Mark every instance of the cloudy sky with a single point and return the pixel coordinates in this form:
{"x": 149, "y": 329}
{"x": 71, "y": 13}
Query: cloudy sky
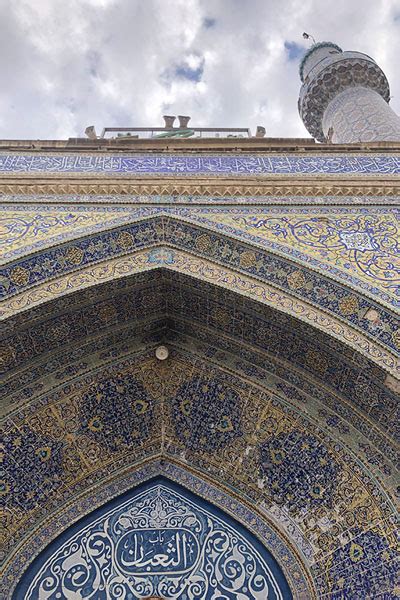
{"x": 66, "y": 64}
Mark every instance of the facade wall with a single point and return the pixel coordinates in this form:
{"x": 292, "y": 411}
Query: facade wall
{"x": 272, "y": 277}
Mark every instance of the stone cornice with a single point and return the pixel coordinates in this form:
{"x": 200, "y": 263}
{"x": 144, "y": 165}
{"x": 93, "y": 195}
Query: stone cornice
{"x": 200, "y": 186}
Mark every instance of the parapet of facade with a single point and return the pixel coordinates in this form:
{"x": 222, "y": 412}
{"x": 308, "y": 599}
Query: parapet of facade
{"x": 344, "y": 97}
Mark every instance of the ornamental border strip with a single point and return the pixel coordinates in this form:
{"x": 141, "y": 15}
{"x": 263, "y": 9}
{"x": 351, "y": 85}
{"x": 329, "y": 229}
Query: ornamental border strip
{"x": 201, "y": 216}
{"x": 148, "y": 260}
{"x": 332, "y": 188}
{"x": 113, "y": 202}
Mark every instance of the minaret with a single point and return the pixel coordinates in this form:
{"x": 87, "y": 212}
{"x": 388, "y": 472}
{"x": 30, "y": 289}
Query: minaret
{"x": 344, "y": 97}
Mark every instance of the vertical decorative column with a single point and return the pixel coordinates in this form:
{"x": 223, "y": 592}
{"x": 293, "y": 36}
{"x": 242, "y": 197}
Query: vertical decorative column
{"x": 344, "y": 97}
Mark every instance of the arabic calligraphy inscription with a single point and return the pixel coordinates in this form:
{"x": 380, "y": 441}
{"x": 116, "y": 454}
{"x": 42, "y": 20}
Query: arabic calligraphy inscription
{"x": 158, "y": 543}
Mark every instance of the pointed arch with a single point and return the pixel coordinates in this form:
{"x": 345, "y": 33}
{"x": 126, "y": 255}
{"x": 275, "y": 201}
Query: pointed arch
{"x": 160, "y": 539}
{"x": 209, "y": 412}
{"x": 321, "y": 398}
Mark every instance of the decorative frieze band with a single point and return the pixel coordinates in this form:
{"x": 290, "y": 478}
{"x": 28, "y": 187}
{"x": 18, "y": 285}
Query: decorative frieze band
{"x": 200, "y": 188}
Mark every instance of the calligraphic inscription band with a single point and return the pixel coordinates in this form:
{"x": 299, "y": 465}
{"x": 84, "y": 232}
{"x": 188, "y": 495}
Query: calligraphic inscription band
{"x": 222, "y": 164}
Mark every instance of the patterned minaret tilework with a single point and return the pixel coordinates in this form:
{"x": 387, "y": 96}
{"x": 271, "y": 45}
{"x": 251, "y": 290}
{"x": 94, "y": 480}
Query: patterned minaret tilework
{"x": 344, "y": 97}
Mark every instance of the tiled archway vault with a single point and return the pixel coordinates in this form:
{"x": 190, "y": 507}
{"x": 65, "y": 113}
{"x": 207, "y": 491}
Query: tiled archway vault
{"x": 249, "y": 398}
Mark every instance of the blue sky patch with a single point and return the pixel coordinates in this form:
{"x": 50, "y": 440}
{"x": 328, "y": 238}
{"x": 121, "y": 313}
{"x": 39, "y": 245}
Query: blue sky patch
{"x": 187, "y": 73}
{"x": 209, "y": 23}
{"x": 294, "y": 51}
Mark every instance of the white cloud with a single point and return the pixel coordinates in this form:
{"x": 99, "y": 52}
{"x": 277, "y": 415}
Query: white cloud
{"x": 66, "y": 65}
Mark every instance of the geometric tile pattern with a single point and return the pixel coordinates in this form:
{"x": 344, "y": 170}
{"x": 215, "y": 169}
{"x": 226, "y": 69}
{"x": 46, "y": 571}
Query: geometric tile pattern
{"x": 344, "y": 97}
{"x": 359, "y": 114}
{"x": 27, "y": 452}
{"x": 206, "y": 414}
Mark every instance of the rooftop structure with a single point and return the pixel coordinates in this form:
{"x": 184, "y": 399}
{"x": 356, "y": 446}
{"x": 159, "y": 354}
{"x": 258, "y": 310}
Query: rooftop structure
{"x": 169, "y": 131}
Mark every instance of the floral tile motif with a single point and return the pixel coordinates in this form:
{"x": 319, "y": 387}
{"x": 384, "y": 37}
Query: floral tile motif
{"x": 359, "y": 248}
{"x": 122, "y": 405}
{"x": 206, "y": 414}
{"x": 366, "y": 565}
{"x": 298, "y": 470}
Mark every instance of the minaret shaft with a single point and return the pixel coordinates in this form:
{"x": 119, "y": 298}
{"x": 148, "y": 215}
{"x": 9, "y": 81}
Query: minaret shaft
{"x": 360, "y": 114}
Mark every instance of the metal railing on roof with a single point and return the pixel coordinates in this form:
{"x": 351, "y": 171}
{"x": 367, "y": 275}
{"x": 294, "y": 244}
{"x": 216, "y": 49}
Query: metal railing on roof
{"x": 174, "y": 132}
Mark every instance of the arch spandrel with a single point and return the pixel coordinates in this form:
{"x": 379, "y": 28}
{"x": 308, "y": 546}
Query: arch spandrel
{"x": 355, "y": 245}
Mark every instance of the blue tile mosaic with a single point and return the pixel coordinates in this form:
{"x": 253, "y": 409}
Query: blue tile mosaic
{"x": 171, "y": 303}
{"x": 206, "y": 414}
{"x": 287, "y": 460}
{"x": 174, "y": 164}
{"x": 303, "y": 469}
